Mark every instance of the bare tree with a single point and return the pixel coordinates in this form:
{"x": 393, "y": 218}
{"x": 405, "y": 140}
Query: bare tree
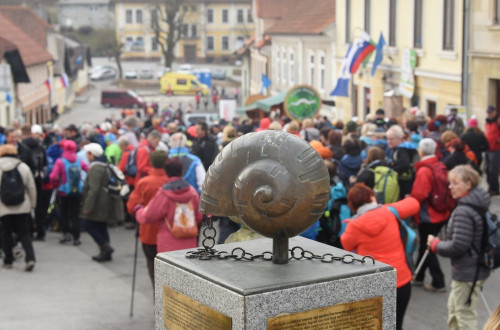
{"x": 117, "y": 49}
{"x": 166, "y": 23}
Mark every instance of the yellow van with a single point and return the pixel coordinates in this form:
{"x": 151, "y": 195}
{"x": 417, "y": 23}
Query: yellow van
{"x": 182, "y": 83}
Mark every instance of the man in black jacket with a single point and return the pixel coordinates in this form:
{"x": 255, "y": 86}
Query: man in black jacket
{"x": 25, "y": 154}
{"x": 205, "y": 146}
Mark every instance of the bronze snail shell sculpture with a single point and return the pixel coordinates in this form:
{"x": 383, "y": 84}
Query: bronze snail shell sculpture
{"x": 273, "y": 181}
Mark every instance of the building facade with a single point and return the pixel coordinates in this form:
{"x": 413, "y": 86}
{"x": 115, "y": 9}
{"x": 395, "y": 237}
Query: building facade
{"x": 98, "y": 14}
{"x": 433, "y": 29}
{"x": 483, "y": 85}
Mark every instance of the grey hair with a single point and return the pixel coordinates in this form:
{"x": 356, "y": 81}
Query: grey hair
{"x": 155, "y": 134}
{"x": 177, "y": 140}
{"x": 427, "y": 146}
{"x": 131, "y": 121}
{"x": 397, "y": 131}
{"x": 123, "y": 141}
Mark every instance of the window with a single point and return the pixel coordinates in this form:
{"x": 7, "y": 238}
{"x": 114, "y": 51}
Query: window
{"x": 225, "y": 43}
{"x": 367, "y": 15}
{"x": 322, "y": 72}
{"x": 497, "y": 11}
{"x": 193, "y": 8}
{"x": 194, "y": 31}
{"x": 417, "y": 24}
{"x": 181, "y": 81}
{"x": 249, "y": 16}
{"x": 138, "y": 16}
{"x": 154, "y": 15}
{"x": 448, "y": 24}
{"x": 210, "y": 43}
{"x": 210, "y": 15}
{"x": 278, "y": 65}
{"x": 185, "y": 9}
{"x": 154, "y": 44}
{"x": 240, "y": 16}
{"x": 283, "y": 67}
{"x": 311, "y": 70}
{"x": 292, "y": 69}
{"x": 392, "y": 23}
{"x": 224, "y": 16}
{"x": 347, "y": 21}
{"x": 128, "y": 17}
{"x": 184, "y": 30}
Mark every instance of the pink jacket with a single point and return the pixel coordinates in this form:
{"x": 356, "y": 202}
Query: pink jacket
{"x": 162, "y": 207}
{"x": 58, "y": 175}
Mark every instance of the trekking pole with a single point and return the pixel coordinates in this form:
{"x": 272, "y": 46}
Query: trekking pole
{"x": 134, "y": 271}
{"x": 483, "y": 298}
{"x": 422, "y": 261}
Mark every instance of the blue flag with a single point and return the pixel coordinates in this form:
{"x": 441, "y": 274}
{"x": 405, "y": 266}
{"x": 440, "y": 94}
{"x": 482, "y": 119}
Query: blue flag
{"x": 342, "y": 88}
{"x": 265, "y": 83}
{"x": 379, "y": 55}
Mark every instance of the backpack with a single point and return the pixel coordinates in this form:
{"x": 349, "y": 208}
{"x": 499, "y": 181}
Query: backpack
{"x": 116, "y": 186}
{"x": 408, "y": 237}
{"x": 12, "y": 187}
{"x": 38, "y": 157}
{"x": 74, "y": 184}
{"x": 386, "y": 186}
{"x": 184, "y": 224}
{"x": 489, "y": 255}
{"x": 331, "y": 222}
{"x": 440, "y": 196}
{"x": 131, "y": 166}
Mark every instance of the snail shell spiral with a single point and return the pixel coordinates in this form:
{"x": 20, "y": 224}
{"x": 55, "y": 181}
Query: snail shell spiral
{"x": 273, "y": 181}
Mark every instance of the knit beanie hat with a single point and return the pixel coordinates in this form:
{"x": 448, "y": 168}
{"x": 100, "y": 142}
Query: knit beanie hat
{"x": 351, "y": 126}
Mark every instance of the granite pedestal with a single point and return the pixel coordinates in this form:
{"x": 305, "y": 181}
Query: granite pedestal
{"x": 250, "y": 293}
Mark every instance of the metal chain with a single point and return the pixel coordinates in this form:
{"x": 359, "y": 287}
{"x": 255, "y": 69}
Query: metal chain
{"x": 297, "y": 253}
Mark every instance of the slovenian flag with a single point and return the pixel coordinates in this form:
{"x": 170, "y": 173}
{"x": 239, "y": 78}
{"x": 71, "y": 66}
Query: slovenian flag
{"x": 64, "y": 80}
{"x": 48, "y": 84}
{"x": 365, "y": 46}
{"x": 379, "y": 55}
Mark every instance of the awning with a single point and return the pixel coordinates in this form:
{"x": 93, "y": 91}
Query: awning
{"x": 264, "y": 104}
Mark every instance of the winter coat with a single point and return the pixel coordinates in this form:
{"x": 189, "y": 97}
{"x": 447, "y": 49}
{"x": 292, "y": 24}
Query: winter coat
{"x": 58, "y": 175}
{"x": 338, "y": 152}
{"x": 463, "y": 232}
{"x": 349, "y": 166}
{"x": 26, "y": 156}
{"x": 145, "y": 190}
{"x": 493, "y": 133}
{"x": 459, "y": 158}
{"x": 422, "y": 187}
{"x": 206, "y": 149}
{"x": 142, "y": 160}
{"x": 132, "y": 138}
{"x": 123, "y": 164}
{"x": 192, "y": 167}
{"x": 8, "y": 163}
{"x": 39, "y": 158}
{"x": 97, "y": 204}
{"x": 375, "y": 224}
{"x": 113, "y": 153}
{"x": 53, "y": 152}
{"x": 477, "y": 143}
{"x": 162, "y": 208}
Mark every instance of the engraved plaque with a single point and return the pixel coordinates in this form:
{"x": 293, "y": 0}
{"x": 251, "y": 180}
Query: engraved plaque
{"x": 363, "y": 314}
{"x": 182, "y": 312}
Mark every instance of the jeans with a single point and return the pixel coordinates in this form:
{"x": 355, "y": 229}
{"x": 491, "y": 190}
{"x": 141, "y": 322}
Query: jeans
{"x": 492, "y": 165}
{"x": 19, "y": 224}
{"x": 97, "y": 230}
{"x": 402, "y": 299}
{"x": 426, "y": 229}
{"x": 70, "y": 220}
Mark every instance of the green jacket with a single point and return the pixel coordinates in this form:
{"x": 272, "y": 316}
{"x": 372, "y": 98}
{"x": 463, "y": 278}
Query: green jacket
{"x": 113, "y": 150}
{"x": 97, "y": 204}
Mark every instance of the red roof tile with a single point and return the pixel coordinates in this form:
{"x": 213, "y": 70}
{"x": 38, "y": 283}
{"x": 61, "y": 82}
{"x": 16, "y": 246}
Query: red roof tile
{"x": 31, "y": 52}
{"x": 28, "y": 21}
{"x": 6, "y": 46}
{"x": 306, "y": 17}
{"x": 274, "y": 8}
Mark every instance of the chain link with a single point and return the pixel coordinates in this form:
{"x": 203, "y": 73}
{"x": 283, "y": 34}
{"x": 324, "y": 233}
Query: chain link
{"x": 297, "y": 253}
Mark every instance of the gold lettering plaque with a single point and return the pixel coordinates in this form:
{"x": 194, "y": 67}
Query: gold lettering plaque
{"x": 357, "y": 315}
{"x": 183, "y": 312}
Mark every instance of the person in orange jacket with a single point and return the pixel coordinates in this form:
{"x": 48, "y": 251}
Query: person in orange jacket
{"x": 145, "y": 190}
{"x": 374, "y": 230}
{"x": 145, "y": 148}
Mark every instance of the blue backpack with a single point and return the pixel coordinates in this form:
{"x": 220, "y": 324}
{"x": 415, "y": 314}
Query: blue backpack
{"x": 74, "y": 184}
{"x": 131, "y": 166}
{"x": 408, "y": 237}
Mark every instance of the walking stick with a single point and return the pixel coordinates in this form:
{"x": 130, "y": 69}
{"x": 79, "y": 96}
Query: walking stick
{"x": 421, "y": 263}
{"x": 134, "y": 271}
{"x": 483, "y": 298}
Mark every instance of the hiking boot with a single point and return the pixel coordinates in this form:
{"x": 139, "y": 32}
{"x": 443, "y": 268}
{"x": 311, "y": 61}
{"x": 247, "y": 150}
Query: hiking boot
{"x": 7, "y": 266}
{"x": 66, "y": 238}
{"x": 431, "y": 288}
{"x": 29, "y": 266}
{"x": 76, "y": 242}
{"x": 105, "y": 255}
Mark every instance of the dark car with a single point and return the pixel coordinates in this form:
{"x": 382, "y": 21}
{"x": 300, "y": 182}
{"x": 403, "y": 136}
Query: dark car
{"x": 122, "y": 98}
{"x": 219, "y": 74}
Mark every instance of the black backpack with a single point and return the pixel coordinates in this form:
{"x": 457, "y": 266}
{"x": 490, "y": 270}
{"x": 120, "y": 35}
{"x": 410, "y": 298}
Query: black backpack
{"x": 116, "y": 185}
{"x": 12, "y": 188}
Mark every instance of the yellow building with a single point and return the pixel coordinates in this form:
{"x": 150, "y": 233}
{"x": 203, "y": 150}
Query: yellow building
{"x": 484, "y": 58}
{"x": 211, "y": 30}
{"x": 432, "y": 28}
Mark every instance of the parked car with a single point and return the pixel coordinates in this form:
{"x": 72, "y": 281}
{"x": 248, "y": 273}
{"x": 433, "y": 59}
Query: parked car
{"x": 219, "y": 74}
{"x": 103, "y": 74}
{"x": 182, "y": 83}
{"x": 193, "y": 118}
{"x": 146, "y": 74}
{"x": 122, "y": 98}
{"x": 100, "y": 68}
{"x": 132, "y": 74}
{"x": 161, "y": 72}
{"x": 185, "y": 68}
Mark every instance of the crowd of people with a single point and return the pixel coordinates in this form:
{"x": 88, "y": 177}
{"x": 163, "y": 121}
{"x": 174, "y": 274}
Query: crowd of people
{"x": 381, "y": 170}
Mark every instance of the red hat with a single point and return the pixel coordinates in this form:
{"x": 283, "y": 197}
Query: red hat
{"x": 472, "y": 122}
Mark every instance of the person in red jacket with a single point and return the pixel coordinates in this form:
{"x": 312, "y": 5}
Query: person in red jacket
{"x": 145, "y": 190}
{"x": 374, "y": 230}
{"x": 127, "y": 148}
{"x": 145, "y": 148}
{"x": 429, "y": 220}
{"x": 493, "y": 154}
{"x": 162, "y": 208}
